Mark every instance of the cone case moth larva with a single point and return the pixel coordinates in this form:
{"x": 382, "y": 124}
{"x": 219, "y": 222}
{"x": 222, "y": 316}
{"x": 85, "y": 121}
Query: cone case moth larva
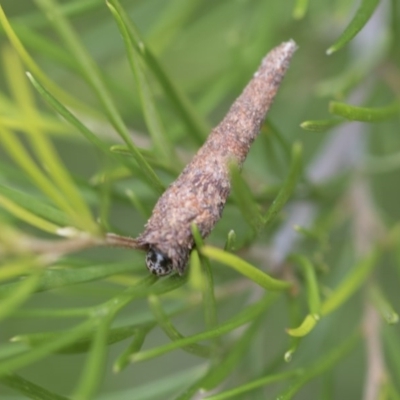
{"x": 199, "y": 194}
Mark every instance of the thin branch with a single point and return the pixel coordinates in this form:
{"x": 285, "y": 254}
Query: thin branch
{"x": 51, "y": 250}
{"x": 375, "y": 375}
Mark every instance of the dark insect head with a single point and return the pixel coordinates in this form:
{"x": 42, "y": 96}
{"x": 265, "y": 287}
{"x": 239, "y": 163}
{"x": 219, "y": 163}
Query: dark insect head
{"x": 158, "y": 263}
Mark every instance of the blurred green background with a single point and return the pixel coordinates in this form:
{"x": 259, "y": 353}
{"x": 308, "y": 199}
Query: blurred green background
{"x": 348, "y": 193}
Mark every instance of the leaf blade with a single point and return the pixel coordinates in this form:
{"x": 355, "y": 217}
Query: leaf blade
{"x": 361, "y": 17}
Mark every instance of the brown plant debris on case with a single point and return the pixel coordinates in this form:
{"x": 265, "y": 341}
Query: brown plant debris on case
{"x": 199, "y": 194}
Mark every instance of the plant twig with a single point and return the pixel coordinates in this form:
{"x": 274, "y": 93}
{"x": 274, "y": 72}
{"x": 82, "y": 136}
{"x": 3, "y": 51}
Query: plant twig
{"x": 375, "y": 375}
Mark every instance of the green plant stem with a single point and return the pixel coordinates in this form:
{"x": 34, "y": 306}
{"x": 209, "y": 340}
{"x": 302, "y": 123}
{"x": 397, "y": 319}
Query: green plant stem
{"x": 28, "y": 388}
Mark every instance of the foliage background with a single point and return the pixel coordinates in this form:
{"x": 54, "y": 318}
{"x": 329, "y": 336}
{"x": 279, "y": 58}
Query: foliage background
{"x": 345, "y": 202}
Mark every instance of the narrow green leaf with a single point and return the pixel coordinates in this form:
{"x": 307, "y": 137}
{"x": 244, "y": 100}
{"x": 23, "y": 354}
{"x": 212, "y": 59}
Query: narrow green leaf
{"x": 93, "y": 77}
{"x": 20, "y": 294}
{"x": 166, "y": 325}
{"x": 10, "y": 350}
{"x": 82, "y": 345}
{"x": 9, "y": 365}
{"x": 92, "y": 374}
{"x": 363, "y": 14}
{"x": 87, "y": 133}
{"x": 288, "y": 186}
{"x": 27, "y": 216}
{"x": 62, "y": 277}
{"x": 67, "y": 115}
{"x": 14, "y": 269}
{"x": 351, "y": 283}
{"x": 124, "y": 359}
{"x": 36, "y": 19}
{"x": 308, "y": 271}
{"x": 364, "y": 114}
{"x": 195, "y": 273}
{"x": 121, "y": 149}
{"x": 241, "y": 318}
{"x": 230, "y": 244}
{"x": 43, "y": 148}
{"x": 207, "y": 285}
{"x": 17, "y": 151}
{"x": 313, "y": 298}
{"x": 300, "y": 9}
{"x": 40, "y": 43}
{"x": 320, "y": 125}
{"x": 384, "y": 307}
{"x": 48, "y": 124}
{"x": 35, "y": 206}
{"x": 194, "y": 125}
{"x": 294, "y": 345}
{"x": 198, "y": 240}
{"x": 147, "y": 286}
{"x": 161, "y": 142}
{"x": 32, "y": 66}
{"x": 305, "y": 327}
{"x": 53, "y": 313}
{"x": 29, "y": 389}
{"x": 149, "y": 157}
{"x": 248, "y": 387}
{"x": 245, "y": 269}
